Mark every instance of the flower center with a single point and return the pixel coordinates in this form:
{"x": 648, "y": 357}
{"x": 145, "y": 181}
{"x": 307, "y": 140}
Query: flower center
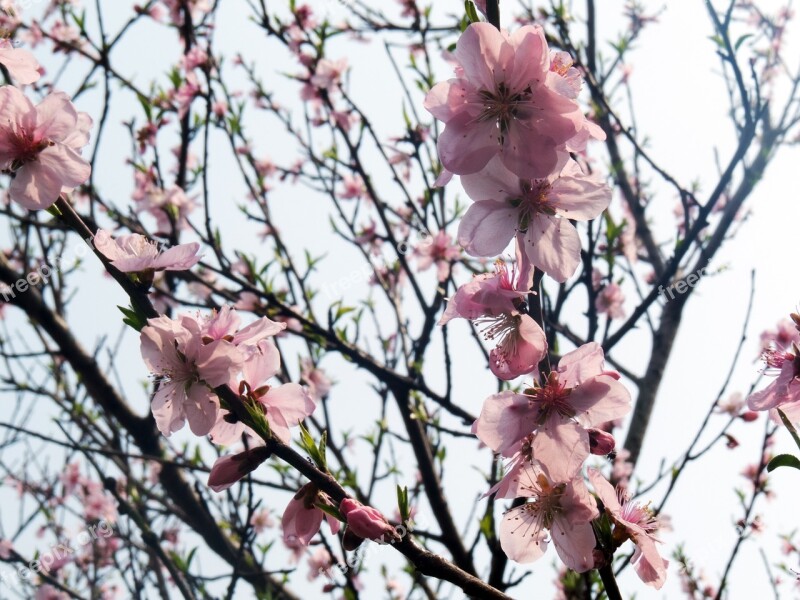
{"x": 502, "y": 105}
{"x": 26, "y": 148}
{"x": 553, "y": 397}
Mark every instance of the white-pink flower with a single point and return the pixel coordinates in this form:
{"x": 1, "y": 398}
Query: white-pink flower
{"x": 564, "y": 509}
{"x": 40, "y": 145}
{"x": 134, "y": 253}
{"x": 537, "y": 212}
{"x": 639, "y": 524}
{"x": 188, "y": 368}
{"x": 784, "y": 392}
{"x": 503, "y": 101}
{"x": 579, "y": 395}
{"x": 21, "y": 64}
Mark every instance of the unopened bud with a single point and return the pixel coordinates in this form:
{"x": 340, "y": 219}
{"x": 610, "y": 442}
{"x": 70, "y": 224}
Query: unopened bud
{"x": 601, "y": 442}
{"x": 749, "y": 416}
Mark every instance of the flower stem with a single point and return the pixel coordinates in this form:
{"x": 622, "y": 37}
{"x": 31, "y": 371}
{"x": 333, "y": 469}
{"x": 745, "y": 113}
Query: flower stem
{"x": 609, "y": 582}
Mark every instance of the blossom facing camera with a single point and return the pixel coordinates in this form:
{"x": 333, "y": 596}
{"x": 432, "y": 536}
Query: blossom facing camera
{"x": 40, "y": 146}
{"x": 503, "y": 102}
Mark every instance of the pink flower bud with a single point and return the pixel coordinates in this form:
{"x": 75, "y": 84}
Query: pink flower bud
{"x": 366, "y": 522}
{"x": 227, "y": 470}
{"x": 749, "y": 416}
{"x": 601, "y": 442}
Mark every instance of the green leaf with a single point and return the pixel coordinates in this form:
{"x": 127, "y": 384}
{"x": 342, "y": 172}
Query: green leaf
{"x": 783, "y": 460}
{"x": 741, "y": 40}
{"x": 472, "y": 11}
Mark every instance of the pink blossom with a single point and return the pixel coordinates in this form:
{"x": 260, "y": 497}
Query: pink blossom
{"x": 135, "y": 253}
{"x": 174, "y": 350}
{"x": 782, "y": 337}
{"x": 537, "y": 212}
{"x": 565, "y": 508}
{"x": 319, "y": 563}
{"x": 639, "y": 524}
{"x": 353, "y": 187}
{"x": 439, "y": 250}
{"x": 503, "y": 102}
{"x": 577, "y": 396}
{"x": 170, "y": 207}
{"x": 261, "y": 520}
{"x": 319, "y": 384}
{"x": 366, "y": 522}
{"x": 6, "y": 548}
{"x": 784, "y": 392}
{"x": 302, "y": 519}
{"x": 21, "y": 64}
{"x": 41, "y": 146}
{"x": 328, "y": 73}
{"x": 48, "y": 592}
{"x": 610, "y": 301}
{"x": 284, "y": 406}
{"x": 494, "y": 302}
{"x": 229, "y": 469}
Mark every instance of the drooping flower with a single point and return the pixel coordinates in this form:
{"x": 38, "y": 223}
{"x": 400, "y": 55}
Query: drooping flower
{"x": 577, "y": 396}
{"x": 20, "y": 63}
{"x": 503, "y": 102}
{"x": 134, "y": 253}
{"x": 40, "y": 145}
{"x": 537, "y": 212}
{"x": 302, "y": 519}
{"x": 637, "y": 523}
{"x": 565, "y": 509}
{"x": 496, "y": 304}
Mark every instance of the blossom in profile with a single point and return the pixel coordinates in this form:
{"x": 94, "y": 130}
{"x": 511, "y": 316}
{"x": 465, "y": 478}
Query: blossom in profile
{"x": 134, "y": 253}
{"x": 40, "y": 146}
{"x": 557, "y": 511}
{"x": 21, "y": 64}
{"x": 537, "y": 212}
{"x": 503, "y": 102}
{"x": 366, "y": 522}
{"x": 784, "y": 392}
{"x": 637, "y": 523}
{"x": 496, "y": 304}
{"x": 229, "y": 469}
{"x": 302, "y": 519}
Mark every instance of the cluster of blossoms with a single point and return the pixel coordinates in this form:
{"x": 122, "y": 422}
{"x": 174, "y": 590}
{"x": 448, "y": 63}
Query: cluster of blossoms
{"x": 511, "y": 121}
